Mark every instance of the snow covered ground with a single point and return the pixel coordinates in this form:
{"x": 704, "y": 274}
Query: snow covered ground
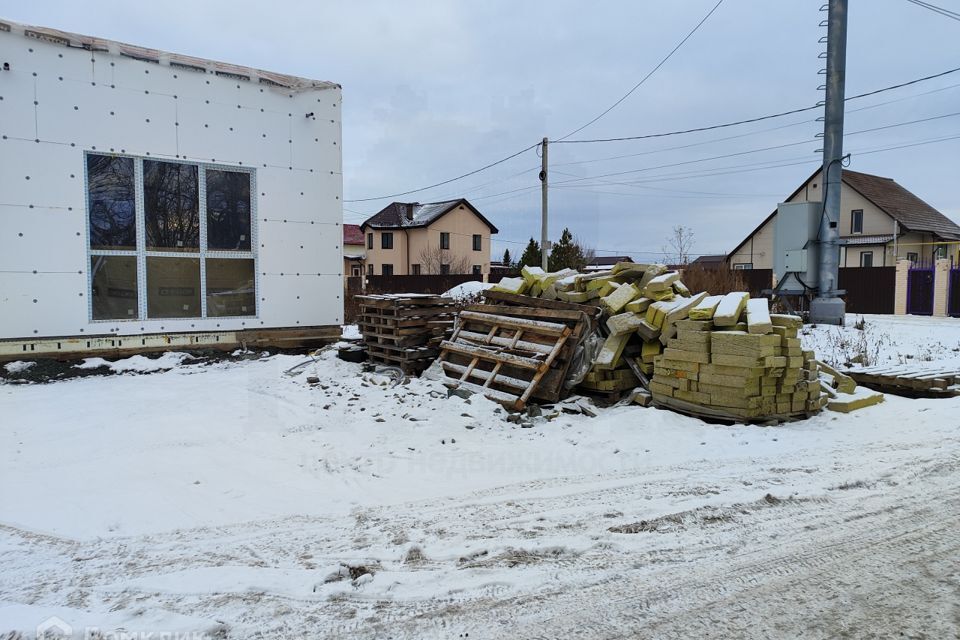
{"x": 230, "y": 499}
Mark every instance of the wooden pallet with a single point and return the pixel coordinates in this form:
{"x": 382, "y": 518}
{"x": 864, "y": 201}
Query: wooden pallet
{"x": 909, "y": 380}
{"x": 405, "y": 330}
{"x": 582, "y": 320}
{"x": 503, "y": 357}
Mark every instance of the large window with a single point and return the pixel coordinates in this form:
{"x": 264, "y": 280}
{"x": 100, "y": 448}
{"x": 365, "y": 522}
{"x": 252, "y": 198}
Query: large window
{"x": 386, "y": 240}
{"x": 228, "y": 210}
{"x": 111, "y": 198}
{"x": 169, "y": 239}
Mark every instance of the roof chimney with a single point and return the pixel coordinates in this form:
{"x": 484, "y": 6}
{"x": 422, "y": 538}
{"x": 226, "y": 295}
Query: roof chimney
{"x": 410, "y": 206}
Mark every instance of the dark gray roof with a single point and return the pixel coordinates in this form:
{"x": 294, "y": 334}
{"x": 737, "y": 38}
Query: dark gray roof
{"x": 720, "y": 257}
{"x": 611, "y": 260}
{"x": 395, "y": 214}
{"x": 911, "y": 212}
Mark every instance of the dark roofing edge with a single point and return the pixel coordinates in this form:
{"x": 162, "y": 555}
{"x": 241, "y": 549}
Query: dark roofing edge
{"x": 454, "y": 204}
{"x": 898, "y": 221}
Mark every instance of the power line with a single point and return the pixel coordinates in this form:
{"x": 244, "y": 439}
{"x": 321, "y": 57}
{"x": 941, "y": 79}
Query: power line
{"x": 440, "y": 184}
{"x": 932, "y": 7}
{"x": 656, "y": 135}
{"x": 757, "y": 119}
{"x": 647, "y": 77}
{"x": 747, "y": 134}
{"x": 751, "y": 151}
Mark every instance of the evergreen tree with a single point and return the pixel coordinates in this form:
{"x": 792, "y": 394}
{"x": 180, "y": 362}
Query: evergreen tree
{"x": 566, "y": 254}
{"x": 507, "y": 262}
{"x": 531, "y": 255}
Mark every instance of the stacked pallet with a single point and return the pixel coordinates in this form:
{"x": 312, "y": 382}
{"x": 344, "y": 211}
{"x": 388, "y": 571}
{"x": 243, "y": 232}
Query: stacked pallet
{"x": 404, "y": 330}
{"x": 737, "y": 361}
{"x": 514, "y": 349}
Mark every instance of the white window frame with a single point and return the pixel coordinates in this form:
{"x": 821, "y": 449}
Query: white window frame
{"x": 853, "y": 218}
{"x": 742, "y": 266}
{"x": 141, "y": 253}
{"x": 866, "y": 253}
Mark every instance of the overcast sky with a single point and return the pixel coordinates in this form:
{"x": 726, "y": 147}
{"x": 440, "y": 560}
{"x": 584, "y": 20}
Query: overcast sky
{"x": 434, "y": 89}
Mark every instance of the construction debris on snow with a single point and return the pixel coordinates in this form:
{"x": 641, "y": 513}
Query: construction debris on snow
{"x": 634, "y": 328}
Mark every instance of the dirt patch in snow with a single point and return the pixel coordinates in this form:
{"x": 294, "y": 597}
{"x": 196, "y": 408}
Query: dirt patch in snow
{"x": 701, "y": 516}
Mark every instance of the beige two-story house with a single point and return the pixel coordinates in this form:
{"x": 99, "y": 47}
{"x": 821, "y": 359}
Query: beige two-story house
{"x": 880, "y": 222}
{"x": 409, "y": 238}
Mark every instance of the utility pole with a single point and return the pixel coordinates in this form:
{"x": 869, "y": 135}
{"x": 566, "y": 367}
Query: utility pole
{"x": 827, "y": 307}
{"x": 544, "y": 240}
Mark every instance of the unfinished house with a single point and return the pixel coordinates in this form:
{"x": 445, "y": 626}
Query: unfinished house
{"x": 154, "y": 200}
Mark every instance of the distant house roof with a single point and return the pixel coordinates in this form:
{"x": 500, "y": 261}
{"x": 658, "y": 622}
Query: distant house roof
{"x": 861, "y": 240}
{"x": 609, "y": 260}
{"x": 901, "y": 205}
{"x": 352, "y": 234}
{"x": 410, "y": 215}
{"x": 602, "y": 263}
{"x": 911, "y": 212}
{"x": 709, "y": 262}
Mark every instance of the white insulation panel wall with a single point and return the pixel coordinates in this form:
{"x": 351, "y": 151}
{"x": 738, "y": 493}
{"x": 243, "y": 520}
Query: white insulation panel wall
{"x": 59, "y": 103}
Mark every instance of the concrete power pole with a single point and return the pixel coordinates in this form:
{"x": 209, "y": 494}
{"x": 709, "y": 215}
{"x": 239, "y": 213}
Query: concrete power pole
{"x": 827, "y": 308}
{"x": 544, "y": 240}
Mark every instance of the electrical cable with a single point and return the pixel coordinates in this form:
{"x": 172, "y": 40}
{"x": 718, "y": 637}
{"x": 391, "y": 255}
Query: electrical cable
{"x": 947, "y": 13}
{"x": 440, "y": 184}
{"x": 655, "y": 135}
{"x": 757, "y": 119}
{"x": 647, "y": 77}
{"x": 758, "y": 150}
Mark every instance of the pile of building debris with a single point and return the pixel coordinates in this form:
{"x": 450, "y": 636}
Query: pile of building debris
{"x": 635, "y": 328}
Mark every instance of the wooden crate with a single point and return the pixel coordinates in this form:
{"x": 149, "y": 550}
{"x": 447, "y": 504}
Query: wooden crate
{"x": 404, "y": 330}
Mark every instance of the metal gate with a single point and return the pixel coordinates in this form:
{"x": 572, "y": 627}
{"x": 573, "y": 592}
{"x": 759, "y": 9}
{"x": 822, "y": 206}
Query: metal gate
{"x": 953, "y": 296}
{"x": 920, "y": 290}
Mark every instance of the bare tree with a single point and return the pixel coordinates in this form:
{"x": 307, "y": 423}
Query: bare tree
{"x": 679, "y": 244}
{"x": 433, "y": 258}
{"x": 589, "y": 253}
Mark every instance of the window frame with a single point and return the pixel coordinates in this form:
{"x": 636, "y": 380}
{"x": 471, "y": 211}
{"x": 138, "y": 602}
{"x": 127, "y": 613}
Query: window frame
{"x": 478, "y": 242}
{"x": 384, "y": 237}
{"x": 742, "y": 266}
{"x": 444, "y": 269}
{"x": 370, "y": 269}
{"x": 445, "y": 241}
{"x": 915, "y": 258}
{"x": 202, "y": 253}
{"x": 386, "y": 266}
{"x": 415, "y": 269}
{"x": 853, "y": 220}
{"x": 477, "y": 270}
{"x": 866, "y": 253}
{"x": 370, "y": 240}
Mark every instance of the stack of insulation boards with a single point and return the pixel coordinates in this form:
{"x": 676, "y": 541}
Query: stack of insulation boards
{"x": 641, "y": 303}
{"x": 736, "y": 360}
{"x": 405, "y": 330}
{"x": 596, "y": 288}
